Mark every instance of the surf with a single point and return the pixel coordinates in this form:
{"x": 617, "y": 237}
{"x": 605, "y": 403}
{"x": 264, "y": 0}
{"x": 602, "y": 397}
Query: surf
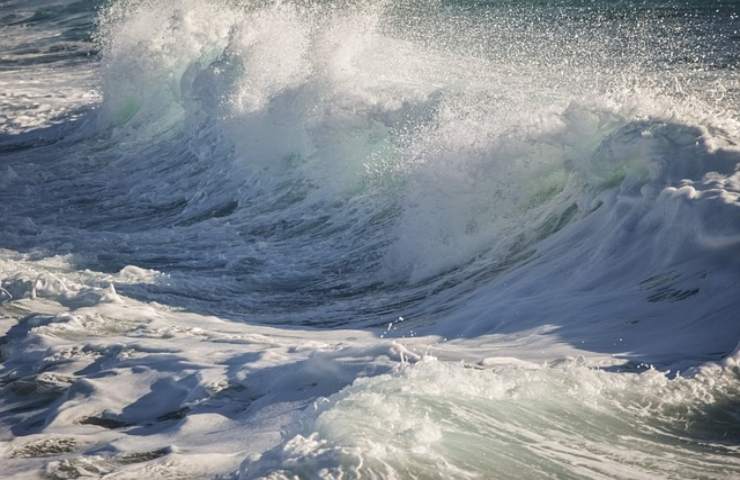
{"x": 275, "y": 220}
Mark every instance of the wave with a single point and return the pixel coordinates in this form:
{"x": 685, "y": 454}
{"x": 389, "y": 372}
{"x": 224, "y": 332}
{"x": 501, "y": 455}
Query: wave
{"x": 517, "y": 419}
{"x": 349, "y": 164}
{"x": 419, "y": 164}
{"x": 504, "y": 185}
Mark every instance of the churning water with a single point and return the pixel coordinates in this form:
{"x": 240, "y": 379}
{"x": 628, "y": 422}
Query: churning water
{"x": 414, "y": 239}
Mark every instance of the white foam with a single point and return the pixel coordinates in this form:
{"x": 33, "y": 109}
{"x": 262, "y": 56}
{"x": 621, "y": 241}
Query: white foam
{"x": 531, "y": 230}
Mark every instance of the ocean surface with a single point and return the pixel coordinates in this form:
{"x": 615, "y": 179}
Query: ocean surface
{"x": 414, "y": 239}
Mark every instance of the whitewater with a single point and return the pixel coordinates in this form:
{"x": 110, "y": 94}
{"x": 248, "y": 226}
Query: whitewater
{"x": 421, "y": 239}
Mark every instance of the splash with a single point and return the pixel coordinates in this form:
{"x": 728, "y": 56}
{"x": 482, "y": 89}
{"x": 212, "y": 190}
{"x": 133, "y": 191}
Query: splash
{"x": 510, "y": 185}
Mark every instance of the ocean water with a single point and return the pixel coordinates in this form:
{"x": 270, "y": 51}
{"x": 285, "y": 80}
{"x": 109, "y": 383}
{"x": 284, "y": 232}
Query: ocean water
{"x": 416, "y": 239}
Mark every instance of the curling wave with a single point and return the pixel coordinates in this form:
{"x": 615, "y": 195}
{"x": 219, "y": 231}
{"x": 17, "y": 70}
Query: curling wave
{"x": 512, "y": 180}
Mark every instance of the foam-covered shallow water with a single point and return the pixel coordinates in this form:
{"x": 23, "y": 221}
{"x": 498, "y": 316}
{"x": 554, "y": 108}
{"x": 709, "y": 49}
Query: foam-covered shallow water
{"x": 419, "y": 239}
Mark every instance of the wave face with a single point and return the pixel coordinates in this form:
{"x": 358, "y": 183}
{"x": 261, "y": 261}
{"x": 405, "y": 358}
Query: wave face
{"x": 421, "y": 210}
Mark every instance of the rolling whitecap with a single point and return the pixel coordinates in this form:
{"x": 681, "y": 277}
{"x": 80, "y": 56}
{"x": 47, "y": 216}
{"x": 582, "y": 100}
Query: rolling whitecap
{"x": 237, "y": 235}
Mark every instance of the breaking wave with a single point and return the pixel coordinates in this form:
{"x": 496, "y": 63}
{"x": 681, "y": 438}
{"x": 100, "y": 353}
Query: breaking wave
{"x": 446, "y": 170}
